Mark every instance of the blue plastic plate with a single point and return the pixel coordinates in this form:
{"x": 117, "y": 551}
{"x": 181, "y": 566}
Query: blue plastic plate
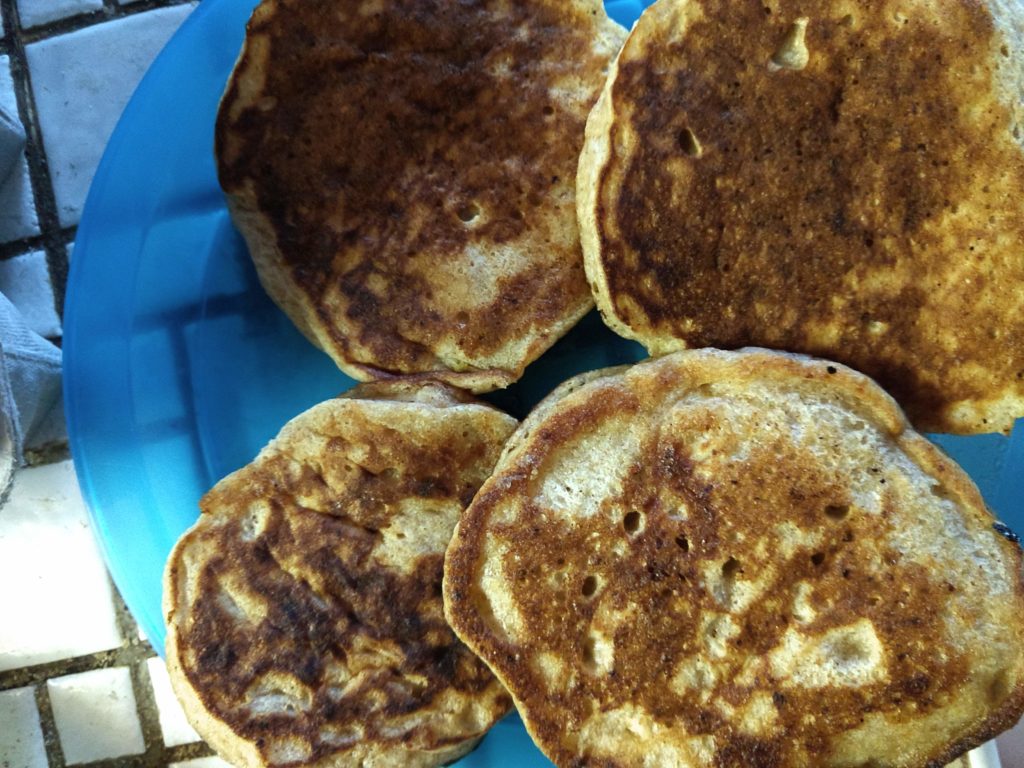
{"x": 178, "y": 368}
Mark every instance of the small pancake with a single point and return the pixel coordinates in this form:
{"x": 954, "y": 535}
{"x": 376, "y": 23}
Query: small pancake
{"x": 738, "y": 559}
{"x": 304, "y": 614}
{"x": 835, "y": 178}
{"x": 403, "y": 172}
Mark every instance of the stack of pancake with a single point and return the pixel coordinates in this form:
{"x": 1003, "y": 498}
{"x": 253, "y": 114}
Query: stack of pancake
{"x": 737, "y": 553}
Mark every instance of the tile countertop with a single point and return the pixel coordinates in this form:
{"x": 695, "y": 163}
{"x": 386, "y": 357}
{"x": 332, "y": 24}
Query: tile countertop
{"x": 78, "y": 683}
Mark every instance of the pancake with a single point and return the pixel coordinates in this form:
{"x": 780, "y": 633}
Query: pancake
{"x": 304, "y": 616}
{"x": 738, "y": 559}
{"x": 403, "y": 173}
{"x": 840, "y": 179}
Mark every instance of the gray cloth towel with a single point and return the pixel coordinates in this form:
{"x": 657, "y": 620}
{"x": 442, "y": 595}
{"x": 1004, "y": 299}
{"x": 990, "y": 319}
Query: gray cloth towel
{"x": 32, "y": 418}
{"x": 12, "y": 142}
{"x": 31, "y": 405}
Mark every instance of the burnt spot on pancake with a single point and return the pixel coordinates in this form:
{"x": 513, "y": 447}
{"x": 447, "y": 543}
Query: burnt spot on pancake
{"x": 323, "y": 638}
{"x": 856, "y": 195}
{"x": 415, "y": 152}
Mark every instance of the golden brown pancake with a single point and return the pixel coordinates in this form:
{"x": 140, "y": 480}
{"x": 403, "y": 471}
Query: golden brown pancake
{"x": 304, "y": 616}
{"x": 836, "y": 178}
{"x": 738, "y": 559}
{"x": 403, "y": 172}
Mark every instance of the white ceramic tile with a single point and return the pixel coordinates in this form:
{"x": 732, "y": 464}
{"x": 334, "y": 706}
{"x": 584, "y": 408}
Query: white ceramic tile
{"x": 62, "y": 604}
{"x": 36, "y": 12}
{"x": 82, "y": 81}
{"x": 96, "y": 715}
{"x": 17, "y": 205}
{"x": 173, "y": 725}
{"x": 21, "y": 738}
{"x": 25, "y": 281}
{"x": 202, "y": 762}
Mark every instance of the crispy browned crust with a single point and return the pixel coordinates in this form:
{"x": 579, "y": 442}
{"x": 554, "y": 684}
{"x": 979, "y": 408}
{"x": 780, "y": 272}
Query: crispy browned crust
{"x": 304, "y": 614}
{"x": 661, "y": 552}
{"x": 404, "y": 174}
{"x": 864, "y": 207}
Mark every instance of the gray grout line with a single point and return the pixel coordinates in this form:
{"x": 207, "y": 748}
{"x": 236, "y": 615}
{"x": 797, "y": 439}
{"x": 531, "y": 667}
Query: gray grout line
{"x": 126, "y": 625}
{"x": 53, "y": 239}
{"x": 10, "y": 22}
{"x": 14, "y": 248}
{"x": 39, "y": 171}
{"x": 157, "y": 754}
{"x": 142, "y": 685}
{"x": 57, "y": 262}
{"x": 62, "y": 26}
{"x": 51, "y": 739}
{"x": 125, "y": 761}
{"x": 131, "y": 651}
{"x": 184, "y": 752}
{"x": 157, "y": 760}
{"x": 110, "y": 11}
{"x": 146, "y": 707}
{"x": 115, "y": 657}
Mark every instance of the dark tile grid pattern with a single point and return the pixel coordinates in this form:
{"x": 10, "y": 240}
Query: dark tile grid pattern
{"x": 54, "y": 241}
{"x": 133, "y": 654}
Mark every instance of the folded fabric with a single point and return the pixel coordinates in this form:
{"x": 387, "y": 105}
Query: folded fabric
{"x": 32, "y": 418}
{"x": 12, "y": 142}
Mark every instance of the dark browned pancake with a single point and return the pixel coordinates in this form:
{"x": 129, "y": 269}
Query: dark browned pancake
{"x": 304, "y": 612}
{"x": 837, "y": 178}
{"x": 403, "y": 172}
{"x": 741, "y": 560}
